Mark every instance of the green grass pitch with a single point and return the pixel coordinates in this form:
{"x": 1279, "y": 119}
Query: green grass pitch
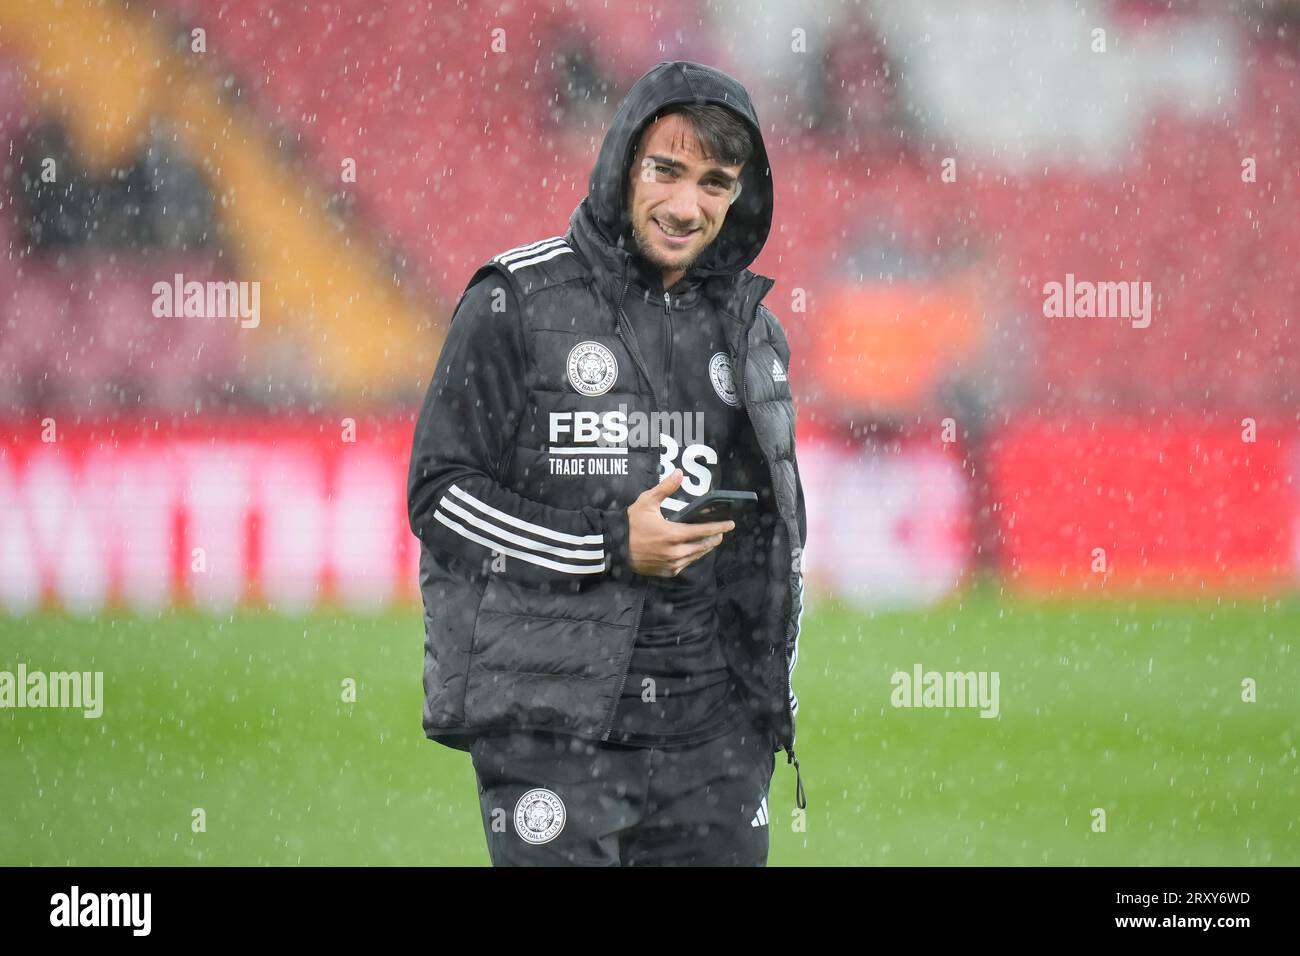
{"x": 1131, "y": 706}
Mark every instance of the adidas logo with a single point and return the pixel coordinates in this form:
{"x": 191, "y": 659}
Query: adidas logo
{"x": 760, "y": 818}
{"x": 778, "y": 373}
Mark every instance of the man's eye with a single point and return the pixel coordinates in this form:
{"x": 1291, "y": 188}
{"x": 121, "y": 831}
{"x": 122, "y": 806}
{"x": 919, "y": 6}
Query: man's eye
{"x": 663, "y": 169}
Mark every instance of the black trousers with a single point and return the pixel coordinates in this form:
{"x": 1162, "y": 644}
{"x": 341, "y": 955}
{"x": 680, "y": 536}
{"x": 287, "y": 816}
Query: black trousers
{"x": 557, "y": 800}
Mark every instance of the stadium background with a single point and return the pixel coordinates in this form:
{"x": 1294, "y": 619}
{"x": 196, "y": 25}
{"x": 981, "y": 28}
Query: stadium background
{"x": 1105, "y": 514}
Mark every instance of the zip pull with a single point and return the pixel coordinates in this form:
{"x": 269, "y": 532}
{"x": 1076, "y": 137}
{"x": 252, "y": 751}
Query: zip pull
{"x": 800, "y": 798}
{"x": 667, "y": 308}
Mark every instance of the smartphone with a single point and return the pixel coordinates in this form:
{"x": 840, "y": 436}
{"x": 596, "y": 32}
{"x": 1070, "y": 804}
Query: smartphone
{"x": 717, "y": 505}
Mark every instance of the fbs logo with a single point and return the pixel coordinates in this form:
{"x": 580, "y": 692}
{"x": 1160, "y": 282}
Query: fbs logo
{"x": 591, "y": 443}
{"x": 622, "y": 428}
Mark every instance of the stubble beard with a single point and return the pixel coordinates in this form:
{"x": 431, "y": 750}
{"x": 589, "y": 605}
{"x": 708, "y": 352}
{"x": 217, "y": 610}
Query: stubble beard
{"x": 646, "y": 248}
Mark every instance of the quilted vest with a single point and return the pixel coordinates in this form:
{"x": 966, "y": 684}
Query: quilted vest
{"x": 556, "y": 659}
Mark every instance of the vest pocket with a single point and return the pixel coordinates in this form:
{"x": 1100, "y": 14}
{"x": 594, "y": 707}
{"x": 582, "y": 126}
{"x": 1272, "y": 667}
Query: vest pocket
{"x": 535, "y": 663}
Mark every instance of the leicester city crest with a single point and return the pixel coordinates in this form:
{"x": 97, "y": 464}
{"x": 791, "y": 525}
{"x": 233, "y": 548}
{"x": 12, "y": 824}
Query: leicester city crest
{"x": 592, "y": 368}
{"x": 724, "y": 383}
{"x": 539, "y": 816}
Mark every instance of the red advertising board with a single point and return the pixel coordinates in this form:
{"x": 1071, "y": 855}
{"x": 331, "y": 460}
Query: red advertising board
{"x": 294, "y": 512}
{"x": 286, "y": 512}
{"x": 1174, "y": 506}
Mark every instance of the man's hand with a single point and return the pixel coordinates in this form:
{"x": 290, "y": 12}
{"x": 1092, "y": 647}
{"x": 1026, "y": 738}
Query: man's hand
{"x": 660, "y": 548}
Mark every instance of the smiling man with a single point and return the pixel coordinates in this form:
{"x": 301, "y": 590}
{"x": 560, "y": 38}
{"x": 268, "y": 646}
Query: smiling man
{"x": 620, "y": 680}
{"x": 673, "y": 225}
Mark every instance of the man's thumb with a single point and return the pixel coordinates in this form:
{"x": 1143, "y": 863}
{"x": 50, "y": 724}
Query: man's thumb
{"x": 668, "y": 485}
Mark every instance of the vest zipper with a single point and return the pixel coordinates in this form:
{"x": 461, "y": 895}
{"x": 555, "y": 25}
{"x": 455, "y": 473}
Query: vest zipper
{"x": 629, "y": 341}
{"x": 800, "y": 797}
{"x": 636, "y": 357}
{"x": 668, "y": 361}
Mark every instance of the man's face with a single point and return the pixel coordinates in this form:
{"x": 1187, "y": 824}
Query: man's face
{"x": 677, "y": 199}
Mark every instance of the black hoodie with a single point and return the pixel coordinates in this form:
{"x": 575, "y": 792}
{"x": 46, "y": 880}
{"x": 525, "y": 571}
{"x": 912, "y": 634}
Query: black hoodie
{"x": 679, "y": 331}
{"x": 531, "y": 608}
{"x": 678, "y": 652}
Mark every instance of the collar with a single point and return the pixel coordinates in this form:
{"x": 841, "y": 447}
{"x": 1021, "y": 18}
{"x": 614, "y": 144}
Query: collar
{"x": 647, "y": 282}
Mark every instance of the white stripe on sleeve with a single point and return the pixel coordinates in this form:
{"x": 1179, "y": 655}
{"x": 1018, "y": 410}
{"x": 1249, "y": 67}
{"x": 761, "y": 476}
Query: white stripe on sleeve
{"x": 594, "y": 554}
{"x": 528, "y": 526}
{"x": 522, "y": 555}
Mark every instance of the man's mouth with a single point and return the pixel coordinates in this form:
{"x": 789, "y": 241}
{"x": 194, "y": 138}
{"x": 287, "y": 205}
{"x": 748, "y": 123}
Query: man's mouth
{"x": 674, "y": 234}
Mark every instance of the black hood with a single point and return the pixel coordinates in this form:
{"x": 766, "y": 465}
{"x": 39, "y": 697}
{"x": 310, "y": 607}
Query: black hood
{"x": 748, "y": 220}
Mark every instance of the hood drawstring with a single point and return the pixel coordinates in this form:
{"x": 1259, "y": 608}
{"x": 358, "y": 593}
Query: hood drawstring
{"x": 800, "y": 798}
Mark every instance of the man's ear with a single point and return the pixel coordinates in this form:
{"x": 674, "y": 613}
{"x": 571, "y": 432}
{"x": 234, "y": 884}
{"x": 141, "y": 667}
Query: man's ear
{"x": 736, "y": 194}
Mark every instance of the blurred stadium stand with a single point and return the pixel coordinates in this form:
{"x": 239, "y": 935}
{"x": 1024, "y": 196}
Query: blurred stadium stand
{"x": 399, "y": 90}
{"x": 909, "y": 299}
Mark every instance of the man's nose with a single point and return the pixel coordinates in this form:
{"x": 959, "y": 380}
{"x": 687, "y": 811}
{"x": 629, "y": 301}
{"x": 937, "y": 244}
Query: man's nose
{"x": 684, "y": 203}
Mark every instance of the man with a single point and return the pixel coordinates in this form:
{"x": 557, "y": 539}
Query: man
{"x": 620, "y": 680}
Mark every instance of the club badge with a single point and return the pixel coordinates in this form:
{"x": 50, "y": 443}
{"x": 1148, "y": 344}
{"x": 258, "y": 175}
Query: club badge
{"x": 539, "y": 816}
{"x": 724, "y": 382}
{"x": 592, "y": 368}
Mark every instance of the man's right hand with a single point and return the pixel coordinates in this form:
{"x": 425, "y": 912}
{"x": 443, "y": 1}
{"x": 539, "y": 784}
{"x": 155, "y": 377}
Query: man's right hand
{"x": 660, "y": 548}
